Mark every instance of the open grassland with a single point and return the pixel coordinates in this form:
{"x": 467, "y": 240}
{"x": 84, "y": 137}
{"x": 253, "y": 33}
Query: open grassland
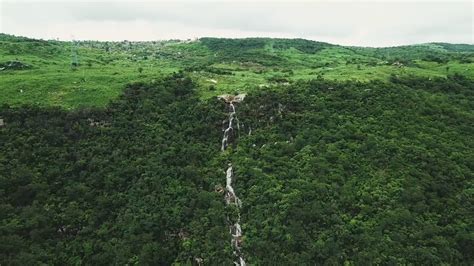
{"x": 91, "y": 73}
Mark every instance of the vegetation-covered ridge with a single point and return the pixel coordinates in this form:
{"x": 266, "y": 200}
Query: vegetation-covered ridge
{"x": 91, "y": 73}
{"x": 332, "y": 172}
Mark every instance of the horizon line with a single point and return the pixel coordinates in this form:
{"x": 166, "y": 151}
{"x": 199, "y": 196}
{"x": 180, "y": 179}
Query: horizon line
{"x": 194, "y": 38}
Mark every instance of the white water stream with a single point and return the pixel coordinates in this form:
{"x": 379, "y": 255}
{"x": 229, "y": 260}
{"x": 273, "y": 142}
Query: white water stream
{"x": 230, "y": 196}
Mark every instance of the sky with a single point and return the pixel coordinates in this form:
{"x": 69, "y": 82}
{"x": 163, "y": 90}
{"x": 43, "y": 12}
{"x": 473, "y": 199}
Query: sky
{"x": 362, "y": 23}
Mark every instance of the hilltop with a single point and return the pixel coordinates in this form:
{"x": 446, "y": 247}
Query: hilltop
{"x": 102, "y": 69}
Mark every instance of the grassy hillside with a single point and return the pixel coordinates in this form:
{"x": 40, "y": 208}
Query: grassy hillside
{"x": 217, "y": 65}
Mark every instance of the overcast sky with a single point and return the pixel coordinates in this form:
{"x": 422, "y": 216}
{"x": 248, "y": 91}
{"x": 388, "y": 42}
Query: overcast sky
{"x": 368, "y": 23}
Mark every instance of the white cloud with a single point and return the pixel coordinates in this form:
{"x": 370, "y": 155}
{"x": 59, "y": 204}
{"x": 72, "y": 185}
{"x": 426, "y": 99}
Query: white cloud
{"x": 375, "y": 23}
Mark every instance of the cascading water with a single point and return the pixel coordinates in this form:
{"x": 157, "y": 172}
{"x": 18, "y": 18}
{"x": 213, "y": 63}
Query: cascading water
{"x": 230, "y": 196}
{"x": 230, "y": 129}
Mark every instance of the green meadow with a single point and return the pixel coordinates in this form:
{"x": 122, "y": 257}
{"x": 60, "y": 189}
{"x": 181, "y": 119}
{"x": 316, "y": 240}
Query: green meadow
{"x": 90, "y": 73}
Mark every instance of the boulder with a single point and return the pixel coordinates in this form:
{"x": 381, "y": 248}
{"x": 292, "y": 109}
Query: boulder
{"x": 228, "y": 98}
{"x": 14, "y": 65}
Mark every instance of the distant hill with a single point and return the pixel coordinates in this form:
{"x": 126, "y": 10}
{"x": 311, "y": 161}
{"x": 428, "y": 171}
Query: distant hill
{"x": 218, "y": 65}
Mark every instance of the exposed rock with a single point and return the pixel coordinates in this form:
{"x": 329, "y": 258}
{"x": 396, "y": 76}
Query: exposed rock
{"x": 93, "y": 123}
{"x": 13, "y": 65}
{"x": 2, "y": 123}
{"x": 183, "y": 234}
{"x": 199, "y": 261}
{"x": 280, "y": 109}
{"x": 398, "y": 64}
{"x": 228, "y": 98}
{"x": 219, "y": 189}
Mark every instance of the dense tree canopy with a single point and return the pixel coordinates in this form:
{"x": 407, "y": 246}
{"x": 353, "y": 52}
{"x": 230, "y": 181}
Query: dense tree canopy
{"x": 122, "y": 185}
{"x": 362, "y": 173}
{"x": 328, "y": 172}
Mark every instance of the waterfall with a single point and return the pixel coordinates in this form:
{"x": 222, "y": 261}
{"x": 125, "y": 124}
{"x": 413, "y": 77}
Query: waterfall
{"x": 230, "y": 197}
{"x": 230, "y": 129}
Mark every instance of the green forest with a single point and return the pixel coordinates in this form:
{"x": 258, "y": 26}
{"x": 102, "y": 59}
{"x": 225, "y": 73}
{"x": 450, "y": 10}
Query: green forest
{"x": 341, "y": 155}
